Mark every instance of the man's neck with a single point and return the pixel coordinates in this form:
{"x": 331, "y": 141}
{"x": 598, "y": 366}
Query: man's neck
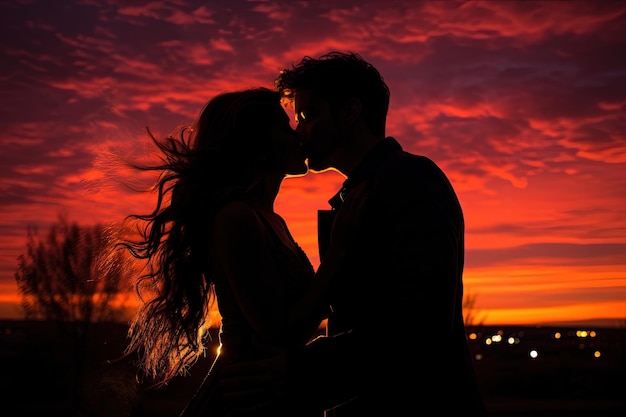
{"x": 355, "y": 154}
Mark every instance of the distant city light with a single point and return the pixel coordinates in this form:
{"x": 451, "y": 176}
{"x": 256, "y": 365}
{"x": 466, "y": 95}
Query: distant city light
{"x": 585, "y": 333}
{"x": 568, "y": 339}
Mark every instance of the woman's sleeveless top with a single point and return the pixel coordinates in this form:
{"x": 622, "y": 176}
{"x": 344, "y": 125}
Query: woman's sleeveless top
{"x": 295, "y": 271}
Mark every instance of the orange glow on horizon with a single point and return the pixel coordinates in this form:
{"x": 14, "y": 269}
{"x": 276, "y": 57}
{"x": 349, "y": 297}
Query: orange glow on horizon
{"x": 10, "y": 309}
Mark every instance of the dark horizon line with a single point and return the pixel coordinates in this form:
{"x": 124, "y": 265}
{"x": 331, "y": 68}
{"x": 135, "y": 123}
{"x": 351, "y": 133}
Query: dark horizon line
{"x": 609, "y": 323}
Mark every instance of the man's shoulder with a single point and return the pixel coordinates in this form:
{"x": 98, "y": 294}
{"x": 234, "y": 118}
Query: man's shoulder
{"x": 403, "y": 171}
{"x": 398, "y": 154}
{"x": 404, "y": 162}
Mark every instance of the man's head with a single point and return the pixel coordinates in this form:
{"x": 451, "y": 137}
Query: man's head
{"x": 341, "y": 103}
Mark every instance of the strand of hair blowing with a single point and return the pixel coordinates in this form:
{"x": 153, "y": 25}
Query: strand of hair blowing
{"x": 200, "y": 168}
{"x": 167, "y": 331}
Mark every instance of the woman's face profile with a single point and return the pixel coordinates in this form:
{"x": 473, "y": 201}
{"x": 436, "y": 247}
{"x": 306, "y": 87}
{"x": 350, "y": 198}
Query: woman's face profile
{"x": 286, "y": 145}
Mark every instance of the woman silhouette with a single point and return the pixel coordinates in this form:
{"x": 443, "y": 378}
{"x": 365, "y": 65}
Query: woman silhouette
{"x": 214, "y": 235}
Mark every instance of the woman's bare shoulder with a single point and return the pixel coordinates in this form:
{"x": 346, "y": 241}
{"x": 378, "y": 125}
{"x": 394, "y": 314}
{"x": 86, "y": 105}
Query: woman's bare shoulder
{"x": 236, "y": 218}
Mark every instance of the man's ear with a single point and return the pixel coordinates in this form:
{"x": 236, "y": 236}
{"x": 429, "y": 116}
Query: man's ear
{"x": 352, "y": 110}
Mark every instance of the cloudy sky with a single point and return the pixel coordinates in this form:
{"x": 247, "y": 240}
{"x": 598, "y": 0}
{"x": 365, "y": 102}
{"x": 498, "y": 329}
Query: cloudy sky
{"x": 521, "y": 103}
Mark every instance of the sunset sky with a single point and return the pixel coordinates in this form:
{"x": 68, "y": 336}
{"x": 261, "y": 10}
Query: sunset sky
{"x": 522, "y": 104}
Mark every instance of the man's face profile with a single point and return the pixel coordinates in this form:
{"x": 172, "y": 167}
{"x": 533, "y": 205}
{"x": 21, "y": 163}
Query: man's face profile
{"x": 316, "y": 124}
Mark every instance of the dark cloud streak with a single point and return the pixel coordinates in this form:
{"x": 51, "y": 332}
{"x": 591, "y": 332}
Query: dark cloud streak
{"x": 544, "y": 254}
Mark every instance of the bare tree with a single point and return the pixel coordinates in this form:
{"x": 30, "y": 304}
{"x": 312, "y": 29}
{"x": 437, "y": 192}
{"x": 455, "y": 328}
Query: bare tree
{"x": 72, "y": 275}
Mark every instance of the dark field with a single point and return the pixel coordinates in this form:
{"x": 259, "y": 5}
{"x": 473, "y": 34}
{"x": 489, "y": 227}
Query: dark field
{"x": 47, "y": 369}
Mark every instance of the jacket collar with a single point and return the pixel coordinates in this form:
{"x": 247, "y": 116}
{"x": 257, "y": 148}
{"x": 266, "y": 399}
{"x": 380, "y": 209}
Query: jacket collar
{"x": 365, "y": 168}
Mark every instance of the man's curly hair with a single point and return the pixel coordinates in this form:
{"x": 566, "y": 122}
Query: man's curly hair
{"x": 338, "y": 77}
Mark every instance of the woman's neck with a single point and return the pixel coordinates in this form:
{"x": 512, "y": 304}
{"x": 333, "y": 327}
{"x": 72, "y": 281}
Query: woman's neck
{"x": 264, "y": 195}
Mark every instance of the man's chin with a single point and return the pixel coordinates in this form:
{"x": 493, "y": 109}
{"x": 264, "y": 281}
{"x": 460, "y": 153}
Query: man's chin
{"x": 320, "y": 170}
{"x": 319, "y": 166}
{"x": 315, "y": 167}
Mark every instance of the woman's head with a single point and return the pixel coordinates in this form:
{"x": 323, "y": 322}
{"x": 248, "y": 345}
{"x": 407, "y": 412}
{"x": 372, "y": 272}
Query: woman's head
{"x": 247, "y": 135}
{"x": 240, "y": 141}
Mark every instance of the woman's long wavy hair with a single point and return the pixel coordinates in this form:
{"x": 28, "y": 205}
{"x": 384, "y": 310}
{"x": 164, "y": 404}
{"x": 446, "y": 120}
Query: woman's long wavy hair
{"x": 222, "y": 154}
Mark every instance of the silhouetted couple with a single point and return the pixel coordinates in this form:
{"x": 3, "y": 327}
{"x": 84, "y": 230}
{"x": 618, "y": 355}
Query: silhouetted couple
{"x": 389, "y": 281}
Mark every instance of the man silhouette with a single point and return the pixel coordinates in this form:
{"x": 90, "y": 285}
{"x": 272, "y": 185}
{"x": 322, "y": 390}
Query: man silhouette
{"x": 396, "y": 342}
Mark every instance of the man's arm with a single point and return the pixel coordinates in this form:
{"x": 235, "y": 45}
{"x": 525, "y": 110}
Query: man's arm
{"x": 326, "y": 373}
